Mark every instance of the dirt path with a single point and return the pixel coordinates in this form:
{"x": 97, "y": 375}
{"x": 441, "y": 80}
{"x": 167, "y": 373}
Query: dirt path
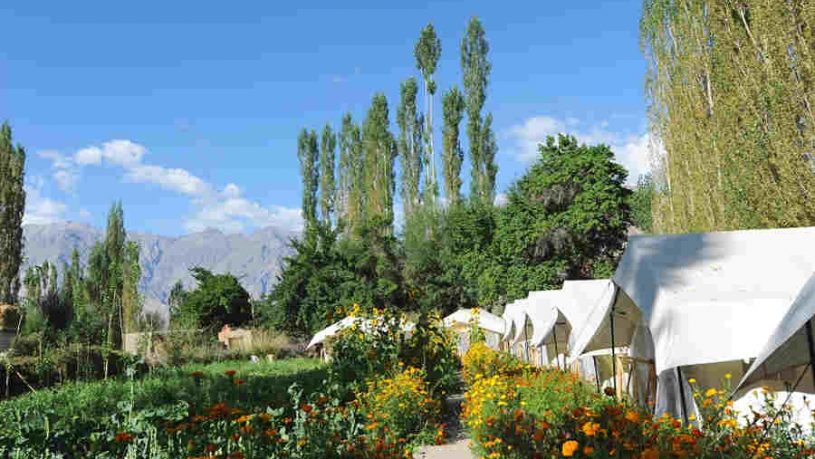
{"x": 458, "y": 445}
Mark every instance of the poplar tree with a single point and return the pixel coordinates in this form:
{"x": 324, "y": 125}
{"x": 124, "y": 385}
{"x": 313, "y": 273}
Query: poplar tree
{"x": 476, "y": 69}
{"x": 328, "y": 147}
{"x": 489, "y": 148}
{"x": 12, "y": 207}
{"x": 427, "y": 53}
{"x": 730, "y": 99}
{"x": 351, "y": 184}
{"x": 380, "y": 153}
{"x": 410, "y": 145}
{"x": 452, "y": 154}
{"x": 307, "y": 153}
{"x": 131, "y": 298}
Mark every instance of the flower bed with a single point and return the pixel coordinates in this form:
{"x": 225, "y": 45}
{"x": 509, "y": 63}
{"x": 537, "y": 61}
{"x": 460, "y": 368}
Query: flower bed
{"x": 548, "y": 413}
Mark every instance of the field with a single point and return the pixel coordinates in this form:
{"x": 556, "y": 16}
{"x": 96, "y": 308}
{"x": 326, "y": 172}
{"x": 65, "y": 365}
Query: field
{"x": 75, "y": 418}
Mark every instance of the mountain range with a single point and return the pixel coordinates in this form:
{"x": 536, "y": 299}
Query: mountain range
{"x": 254, "y": 258}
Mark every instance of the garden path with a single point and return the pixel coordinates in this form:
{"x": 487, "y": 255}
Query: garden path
{"x": 458, "y": 446}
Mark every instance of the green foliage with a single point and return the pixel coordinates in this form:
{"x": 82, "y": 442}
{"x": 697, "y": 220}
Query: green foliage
{"x": 730, "y": 100}
{"x": 410, "y": 146}
{"x": 307, "y": 153}
{"x": 352, "y": 184}
{"x": 81, "y": 420}
{"x": 427, "y": 53}
{"x": 476, "y": 69}
{"x": 380, "y": 151}
{"x": 567, "y": 215}
{"x": 12, "y": 206}
{"x": 217, "y": 300}
{"x": 328, "y": 146}
{"x": 452, "y": 155}
{"x": 640, "y": 203}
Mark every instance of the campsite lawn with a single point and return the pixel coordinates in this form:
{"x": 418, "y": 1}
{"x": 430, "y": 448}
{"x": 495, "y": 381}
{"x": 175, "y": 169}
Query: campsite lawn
{"x": 69, "y": 417}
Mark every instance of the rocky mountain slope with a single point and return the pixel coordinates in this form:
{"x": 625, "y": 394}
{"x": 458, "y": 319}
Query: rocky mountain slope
{"x": 255, "y": 258}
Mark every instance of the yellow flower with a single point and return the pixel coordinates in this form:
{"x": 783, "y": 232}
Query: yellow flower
{"x": 569, "y": 448}
{"x": 710, "y": 392}
{"x": 692, "y": 381}
{"x": 590, "y": 428}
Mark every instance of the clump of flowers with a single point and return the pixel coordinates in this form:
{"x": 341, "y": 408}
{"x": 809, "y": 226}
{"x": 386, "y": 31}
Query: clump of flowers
{"x": 481, "y": 361}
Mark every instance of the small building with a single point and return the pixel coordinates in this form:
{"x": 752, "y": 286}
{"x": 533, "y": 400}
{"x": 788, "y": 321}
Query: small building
{"x": 235, "y": 338}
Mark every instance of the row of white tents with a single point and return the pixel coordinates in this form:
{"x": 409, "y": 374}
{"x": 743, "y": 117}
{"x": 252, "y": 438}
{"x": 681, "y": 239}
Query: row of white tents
{"x": 702, "y": 306}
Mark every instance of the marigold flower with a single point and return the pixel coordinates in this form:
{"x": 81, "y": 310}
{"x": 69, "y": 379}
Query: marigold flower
{"x": 122, "y": 437}
{"x": 569, "y": 448}
{"x": 230, "y": 373}
{"x": 590, "y": 428}
{"x": 238, "y": 382}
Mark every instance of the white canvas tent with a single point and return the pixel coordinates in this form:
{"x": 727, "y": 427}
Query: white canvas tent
{"x": 331, "y": 330}
{"x": 486, "y": 320}
{"x": 515, "y": 319}
{"x": 787, "y": 356}
{"x": 701, "y": 303}
{"x": 547, "y": 319}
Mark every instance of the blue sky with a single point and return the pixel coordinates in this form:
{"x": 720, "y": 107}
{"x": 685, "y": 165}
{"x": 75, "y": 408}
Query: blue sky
{"x": 189, "y": 111}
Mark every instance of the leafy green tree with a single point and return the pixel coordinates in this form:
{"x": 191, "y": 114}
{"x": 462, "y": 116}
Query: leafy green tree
{"x": 453, "y": 155}
{"x": 131, "y": 298}
{"x": 380, "y": 153}
{"x": 307, "y": 153}
{"x": 410, "y": 145}
{"x": 476, "y": 69}
{"x": 217, "y": 300}
{"x": 566, "y": 218}
{"x": 352, "y": 191}
{"x": 328, "y": 147}
{"x": 427, "y": 53}
{"x": 12, "y": 206}
{"x": 640, "y": 203}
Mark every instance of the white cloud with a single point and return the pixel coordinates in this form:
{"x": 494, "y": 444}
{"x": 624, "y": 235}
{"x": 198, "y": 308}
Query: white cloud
{"x": 64, "y": 171}
{"x": 172, "y": 179}
{"x": 226, "y": 210}
{"x": 39, "y": 209}
{"x": 632, "y": 151}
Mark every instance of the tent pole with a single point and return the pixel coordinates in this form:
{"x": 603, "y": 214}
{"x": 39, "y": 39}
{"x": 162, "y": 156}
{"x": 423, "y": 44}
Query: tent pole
{"x": 613, "y": 351}
{"x": 596, "y": 373}
{"x": 526, "y": 342}
{"x": 811, "y": 344}
{"x": 557, "y": 353}
{"x": 682, "y": 408}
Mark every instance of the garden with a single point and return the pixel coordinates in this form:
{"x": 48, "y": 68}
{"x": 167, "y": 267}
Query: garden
{"x": 381, "y": 396}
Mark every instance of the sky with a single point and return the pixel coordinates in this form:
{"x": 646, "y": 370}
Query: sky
{"x": 188, "y": 112}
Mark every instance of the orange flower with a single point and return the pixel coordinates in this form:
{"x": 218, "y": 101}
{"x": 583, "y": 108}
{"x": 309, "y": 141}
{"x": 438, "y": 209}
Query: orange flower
{"x": 122, "y": 437}
{"x": 650, "y": 453}
{"x": 590, "y": 428}
{"x": 306, "y": 407}
{"x": 230, "y": 373}
{"x": 197, "y": 374}
{"x": 588, "y": 450}
{"x": 238, "y": 382}
{"x": 569, "y": 448}
{"x": 632, "y": 416}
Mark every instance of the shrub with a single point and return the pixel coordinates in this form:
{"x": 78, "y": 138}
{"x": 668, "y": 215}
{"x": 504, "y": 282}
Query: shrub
{"x": 481, "y": 361}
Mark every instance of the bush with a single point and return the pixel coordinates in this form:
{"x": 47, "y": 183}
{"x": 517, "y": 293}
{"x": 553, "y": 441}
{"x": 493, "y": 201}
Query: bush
{"x": 548, "y": 413}
{"x": 401, "y": 407}
{"x": 481, "y": 361}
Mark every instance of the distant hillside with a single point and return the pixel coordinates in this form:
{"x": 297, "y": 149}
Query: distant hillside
{"x": 255, "y": 258}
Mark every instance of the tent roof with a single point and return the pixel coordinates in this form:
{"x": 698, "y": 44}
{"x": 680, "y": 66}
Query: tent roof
{"x": 588, "y": 305}
{"x": 786, "y": 353}
{"x": 514, "y": 318}
{"x": 713, "y": 297}
{"x": 364, "y": 324}
{"x": 543, "y": 312}
{"x": 331, "y": 330}
{"x": 486, "y": 320}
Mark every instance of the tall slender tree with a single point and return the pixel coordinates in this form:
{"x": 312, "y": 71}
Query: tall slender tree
{"x": 410, "y": 145}
{"x": 12, "y": 206}
{"x": 427, "y": 53}
{"x": 351, "y": 185}
{"x": 380, "y": 153}
{"x": 328, "y": 147}
{"x": 476, "y": 69}
{"x": 307, "y": 153}
{"x": 131, "y": 298}
{"x": 489, "y": 148}
{"x": 452, "y": 154}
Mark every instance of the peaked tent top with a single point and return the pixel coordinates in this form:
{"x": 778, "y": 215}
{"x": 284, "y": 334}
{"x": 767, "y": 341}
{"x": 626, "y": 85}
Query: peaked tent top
{"x": 714, "y": 297}
{"x": 542, "y": 307}
{"x": 331, "y": 330}
{"x": 786, "y": 354}
{"x": 486, "y": 320}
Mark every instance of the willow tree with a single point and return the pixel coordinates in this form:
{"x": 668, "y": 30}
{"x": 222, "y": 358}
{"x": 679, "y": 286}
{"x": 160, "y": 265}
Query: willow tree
{"x": 351, "y": 193}
{"x": 307, "y": 153}
{"x": 12, "y": 206}
{"x": 730, "y": 88}
{"x": 410, "y": 146}
{"x": 452, "y": 154}
{"x": 328, "y": 147}
{"x": 427, "y": 53}
{"x": 380, "y": 152}
{"x": 476, "y": 69}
